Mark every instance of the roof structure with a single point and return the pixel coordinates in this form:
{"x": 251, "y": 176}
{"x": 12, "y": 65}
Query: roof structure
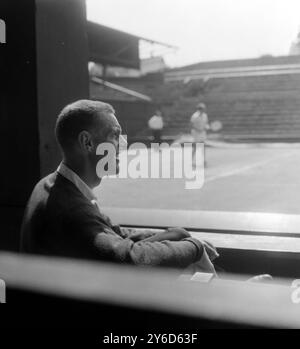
{"x": 266, "y": 65}
{"x": 241, "y": 63}
{"x": 114, "y": 47}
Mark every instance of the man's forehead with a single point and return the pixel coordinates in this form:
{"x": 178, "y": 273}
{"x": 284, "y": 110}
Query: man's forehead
{"x": 115, "y": 123}
{"x": 111, "y": 121}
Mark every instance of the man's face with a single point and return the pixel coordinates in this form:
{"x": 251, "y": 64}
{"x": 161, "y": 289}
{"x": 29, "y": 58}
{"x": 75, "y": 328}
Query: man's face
{"x": 113, "y": 133}
{"x": 114, "y": 138}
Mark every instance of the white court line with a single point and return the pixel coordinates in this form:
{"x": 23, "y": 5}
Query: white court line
{"x": 243, "y": 169}
{"x": 225, "y": 174}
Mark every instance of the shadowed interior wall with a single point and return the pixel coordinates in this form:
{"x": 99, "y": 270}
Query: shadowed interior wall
{"x": 18, "y": 103}
{"x": 43, "y": 67}
{"x": 19, "y": 139}
{"x": 62, "y": 68}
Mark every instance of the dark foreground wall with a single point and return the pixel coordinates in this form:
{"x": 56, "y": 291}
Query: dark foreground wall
{"x": 62, "y": 67}
{"x": 43, "y": 67}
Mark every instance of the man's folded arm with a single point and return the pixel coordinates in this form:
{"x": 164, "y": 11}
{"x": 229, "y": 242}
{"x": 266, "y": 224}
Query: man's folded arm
{"x": 107, "y": 244}
{"x": 133, "y": 234}
{"x": 178, "y": 254}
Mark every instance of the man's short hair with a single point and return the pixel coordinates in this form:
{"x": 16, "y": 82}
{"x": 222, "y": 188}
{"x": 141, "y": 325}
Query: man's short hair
{"x": 79, "y": 116}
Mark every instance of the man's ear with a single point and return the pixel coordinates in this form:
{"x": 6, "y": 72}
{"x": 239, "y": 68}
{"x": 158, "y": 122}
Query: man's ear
{"x": 85, "y": 141}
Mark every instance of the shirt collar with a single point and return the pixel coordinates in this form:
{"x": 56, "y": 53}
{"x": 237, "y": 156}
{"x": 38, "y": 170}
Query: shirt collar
{"x": 77, "y": 181}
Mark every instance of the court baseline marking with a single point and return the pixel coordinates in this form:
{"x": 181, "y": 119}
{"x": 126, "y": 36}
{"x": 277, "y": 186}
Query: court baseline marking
{"x": 244, "y": 168}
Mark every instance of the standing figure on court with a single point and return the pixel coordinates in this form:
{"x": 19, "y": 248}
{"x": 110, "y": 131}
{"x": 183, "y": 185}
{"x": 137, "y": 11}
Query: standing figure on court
{"x": 199, "y": 127}
{"x": 156, "y": 124}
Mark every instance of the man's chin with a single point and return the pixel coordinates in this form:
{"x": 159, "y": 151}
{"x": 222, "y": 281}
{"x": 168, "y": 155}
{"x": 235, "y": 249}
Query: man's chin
{"x": 97, "y": 181}
{"x": 115, "y": 171}
{"x": 111, "y": 171}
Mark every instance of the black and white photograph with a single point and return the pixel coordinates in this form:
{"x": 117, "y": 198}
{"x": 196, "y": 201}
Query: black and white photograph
{"x": 150, "y": 167}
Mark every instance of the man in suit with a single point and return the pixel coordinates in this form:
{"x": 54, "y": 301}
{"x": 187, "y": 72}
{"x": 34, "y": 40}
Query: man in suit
{"x": 63, "y": 217}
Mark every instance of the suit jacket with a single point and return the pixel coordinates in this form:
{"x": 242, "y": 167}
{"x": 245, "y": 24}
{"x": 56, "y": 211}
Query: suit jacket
{"x": 60, "y": 220}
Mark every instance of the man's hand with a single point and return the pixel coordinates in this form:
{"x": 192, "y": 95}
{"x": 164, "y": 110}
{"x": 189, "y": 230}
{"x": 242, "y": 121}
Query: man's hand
{"x": 211, "y": 250}
{"x": 171, "y": 234}
{"x": 140, "y": 235}
{"x": 177, "y": 233}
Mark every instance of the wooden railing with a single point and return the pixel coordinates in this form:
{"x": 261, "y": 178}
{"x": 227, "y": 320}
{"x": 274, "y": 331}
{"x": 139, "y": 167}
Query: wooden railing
{"x": 98, "y": 285}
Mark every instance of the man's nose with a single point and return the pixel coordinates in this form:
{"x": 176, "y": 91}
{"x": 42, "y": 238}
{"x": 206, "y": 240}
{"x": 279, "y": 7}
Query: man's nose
{"x": 122, "y": 140}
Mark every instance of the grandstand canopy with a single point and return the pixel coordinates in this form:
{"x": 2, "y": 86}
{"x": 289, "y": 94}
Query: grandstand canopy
{"x": 109, "y": 46}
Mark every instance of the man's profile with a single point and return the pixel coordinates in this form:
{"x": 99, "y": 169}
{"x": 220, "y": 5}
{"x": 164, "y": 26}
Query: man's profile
{"x": 63, "y": 217}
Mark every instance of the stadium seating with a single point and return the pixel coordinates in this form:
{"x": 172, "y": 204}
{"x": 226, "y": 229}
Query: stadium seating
{"x": 255, "y": 99}
{"x": 266, "y": 107}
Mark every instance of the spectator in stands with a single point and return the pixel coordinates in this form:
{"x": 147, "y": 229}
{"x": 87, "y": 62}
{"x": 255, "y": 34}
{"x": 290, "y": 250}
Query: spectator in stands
{"x": 199, "y": 126}
{"x": 63, "y": 216}
{"x": 156, "y": 125}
